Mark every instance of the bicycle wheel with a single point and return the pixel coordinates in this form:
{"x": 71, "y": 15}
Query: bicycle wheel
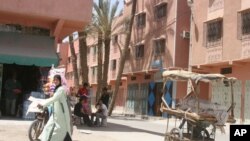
{"x": 35, "y": 130}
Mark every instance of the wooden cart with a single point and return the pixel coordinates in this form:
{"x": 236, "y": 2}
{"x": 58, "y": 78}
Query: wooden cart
{"x": 198, "y": 119}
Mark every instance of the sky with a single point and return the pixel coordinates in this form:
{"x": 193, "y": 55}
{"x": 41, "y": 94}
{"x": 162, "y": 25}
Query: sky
{"x": 120, "y": 7}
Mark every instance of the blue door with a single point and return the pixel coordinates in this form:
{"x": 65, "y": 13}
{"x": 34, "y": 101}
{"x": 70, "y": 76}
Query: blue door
{"x": 168, "y": 91}
{"x": 154, "y": 98}
{"x": 151, "y": 98}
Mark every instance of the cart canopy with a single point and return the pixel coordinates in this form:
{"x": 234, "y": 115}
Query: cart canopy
{"x": 182, "y": 75}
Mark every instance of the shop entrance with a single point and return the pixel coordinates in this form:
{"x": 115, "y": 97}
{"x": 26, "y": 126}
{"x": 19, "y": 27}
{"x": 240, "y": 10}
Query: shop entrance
{"x": 28, "y": 76}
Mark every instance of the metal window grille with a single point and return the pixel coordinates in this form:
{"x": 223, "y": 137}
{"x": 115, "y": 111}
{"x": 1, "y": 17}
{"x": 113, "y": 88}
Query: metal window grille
{"x": 213, "y": 33}
{"x": 93, "y": 71}
{"x": 226, "y": 70}
{"x": 113, "y": 65}
{"x": 159, "y": 46}
{"x": 128, "y": 55}
{"x": 161, "y": 10}
{"x": 141, "y": 19}
{"x": 24, "y": 29}
{"x": 94, "y": 48}
{"x": 243, "y": 25}
{"x": 115, "y": 39}
{"x": 139, "y": 51}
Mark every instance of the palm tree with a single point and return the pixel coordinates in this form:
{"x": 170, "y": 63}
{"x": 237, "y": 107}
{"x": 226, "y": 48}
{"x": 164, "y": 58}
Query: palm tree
{"x": 74, "y": 61}
{"x": 124, "y": 53}
{"x": 104, "y": 15}
{"x": 83, "y": 54}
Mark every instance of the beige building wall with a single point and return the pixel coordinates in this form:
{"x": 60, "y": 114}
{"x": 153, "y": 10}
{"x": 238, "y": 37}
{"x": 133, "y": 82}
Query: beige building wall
{"x": 62, "y": 18}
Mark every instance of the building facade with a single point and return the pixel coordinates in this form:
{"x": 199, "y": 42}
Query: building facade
{"x": 220, "y": 33}
{"x": 29, "y": 33}
{"x": 159, "y": 41}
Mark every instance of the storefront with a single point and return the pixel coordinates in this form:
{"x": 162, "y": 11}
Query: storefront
{"x": 30, "y": 57}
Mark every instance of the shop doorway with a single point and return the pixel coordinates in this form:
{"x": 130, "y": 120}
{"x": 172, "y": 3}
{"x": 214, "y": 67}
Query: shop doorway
{"x": 28, "y": 76}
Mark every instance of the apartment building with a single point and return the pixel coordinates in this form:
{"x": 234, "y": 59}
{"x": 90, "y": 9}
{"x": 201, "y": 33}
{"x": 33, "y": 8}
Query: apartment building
{"x": 159, "y": 41}
{"x": 220, "y": 43}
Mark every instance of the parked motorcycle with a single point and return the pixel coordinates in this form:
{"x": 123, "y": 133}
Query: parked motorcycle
{"x": 38, "y": 124}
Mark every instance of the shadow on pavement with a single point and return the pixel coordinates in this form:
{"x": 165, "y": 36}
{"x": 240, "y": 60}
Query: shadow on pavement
{"x": 112, "y": 127}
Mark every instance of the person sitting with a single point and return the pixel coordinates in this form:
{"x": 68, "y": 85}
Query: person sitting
{"x": 81, "y": 110}
{"x": 105, "y": 96}
{"x": 72, "y": 97}
{"x": 83, "y": 91}
{"x": 101, "y": 113}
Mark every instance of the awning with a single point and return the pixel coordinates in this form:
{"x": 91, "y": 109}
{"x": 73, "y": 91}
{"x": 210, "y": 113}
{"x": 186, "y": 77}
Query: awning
{"x": 25, "y": 49}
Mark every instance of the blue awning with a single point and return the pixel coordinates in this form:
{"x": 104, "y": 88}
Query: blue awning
{"x": 23, "y": 49}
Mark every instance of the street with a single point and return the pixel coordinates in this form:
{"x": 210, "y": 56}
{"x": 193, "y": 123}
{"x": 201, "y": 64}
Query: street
{"x": 119, "y": 128}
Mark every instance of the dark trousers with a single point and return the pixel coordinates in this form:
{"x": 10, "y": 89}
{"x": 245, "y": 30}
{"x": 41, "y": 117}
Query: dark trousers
{"x": 85, "y": 118}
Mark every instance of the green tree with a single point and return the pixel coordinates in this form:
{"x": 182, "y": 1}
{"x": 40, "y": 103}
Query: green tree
{"x": 124, "y": 53}
{"x": 74, "y": 61}
{"x": 103, "y": 15}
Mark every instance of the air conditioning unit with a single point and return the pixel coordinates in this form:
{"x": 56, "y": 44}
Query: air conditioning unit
{"x": 185, "y": 34}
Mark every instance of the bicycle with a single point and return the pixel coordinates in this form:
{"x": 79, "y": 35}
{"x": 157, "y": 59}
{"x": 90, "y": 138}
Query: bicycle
{"x": 38, "y": 124}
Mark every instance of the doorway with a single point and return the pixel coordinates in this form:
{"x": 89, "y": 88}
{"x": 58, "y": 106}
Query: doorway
{"x": 28, "y": 76}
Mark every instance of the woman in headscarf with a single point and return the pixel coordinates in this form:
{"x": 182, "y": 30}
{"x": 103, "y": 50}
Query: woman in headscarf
{"x": 58, "y": 125}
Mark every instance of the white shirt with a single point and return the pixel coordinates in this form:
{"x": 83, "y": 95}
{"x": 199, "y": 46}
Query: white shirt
{"x": 104, "y": 110}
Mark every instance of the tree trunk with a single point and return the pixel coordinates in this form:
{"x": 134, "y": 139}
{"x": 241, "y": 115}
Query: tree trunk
{"x": 74, "y": 61}
{"x": 123, "y": 58}
{"x": 83, "y": 56}
{"x": 99, "y": 69}
{"x": 106, "y": 61}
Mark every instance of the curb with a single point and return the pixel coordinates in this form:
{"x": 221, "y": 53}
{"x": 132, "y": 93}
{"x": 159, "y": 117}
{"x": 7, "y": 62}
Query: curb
{"x": 139, "y": 117}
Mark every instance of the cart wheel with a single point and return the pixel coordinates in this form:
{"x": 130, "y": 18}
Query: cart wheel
{"x": 175, "y": 134}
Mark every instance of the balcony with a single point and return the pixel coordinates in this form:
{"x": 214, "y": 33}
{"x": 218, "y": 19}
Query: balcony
{"x": 62, "y": 18}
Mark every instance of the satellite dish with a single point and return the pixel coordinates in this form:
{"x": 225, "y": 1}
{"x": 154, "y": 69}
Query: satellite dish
{"x": 190, "y": 2}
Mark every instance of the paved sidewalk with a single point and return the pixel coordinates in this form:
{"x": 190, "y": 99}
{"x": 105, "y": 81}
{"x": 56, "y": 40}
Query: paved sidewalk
{"x": 120, "y": 128}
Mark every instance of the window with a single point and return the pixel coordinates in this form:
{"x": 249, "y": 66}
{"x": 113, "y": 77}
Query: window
{"x": 94, "y": 71}
{"x": 25, "y": 29}
{"x": 161, "y": 10}
{"x": 113, "y": 63}
{"x": 214, "y": 30}
{"x": 128, "y": 55}
{"x": 88, "y": 50}
{"x": 69, "y": 59}
{"x": 115, "y": 39}
{"x": 245, "y": 27}
{"x": 147, "y": 76}
{"x": 139, "y": 51}
{"x": 141, "y": 19}
{"x": 94, "y": 48}
{"x": 226, "y": 70}
{"x": 213, "y": 33}
{"x": 159, "y": 46}
{"x": 133, "y": 78}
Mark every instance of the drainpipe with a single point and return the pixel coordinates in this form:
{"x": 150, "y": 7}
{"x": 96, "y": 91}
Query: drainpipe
{"x": 190, "y": 4}
{"x": 174, "y": 92}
